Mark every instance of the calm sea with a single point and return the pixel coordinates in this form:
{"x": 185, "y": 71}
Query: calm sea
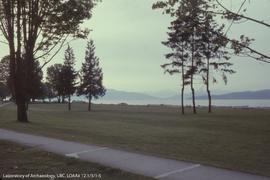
{"x": 220, "y": 102}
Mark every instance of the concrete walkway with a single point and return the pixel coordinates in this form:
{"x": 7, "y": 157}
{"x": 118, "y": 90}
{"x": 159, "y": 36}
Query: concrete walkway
{"x": 159, "y": 168}
{"x": 4, "y": 104}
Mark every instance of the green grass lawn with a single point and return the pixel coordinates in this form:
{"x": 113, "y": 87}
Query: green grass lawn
{"x": 237, "y": 139}
{"x": 21, "y": 160}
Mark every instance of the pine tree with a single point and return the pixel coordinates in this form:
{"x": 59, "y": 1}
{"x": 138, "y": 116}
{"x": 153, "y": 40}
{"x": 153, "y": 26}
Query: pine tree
{"x": 91, "y": 76}
{"x": 178, "y": 57}
{"x": 196, "y": 31}
{"x": 69, "y": 75}
{"x": 215, "y": 55}
{"x": 184, "y": 40}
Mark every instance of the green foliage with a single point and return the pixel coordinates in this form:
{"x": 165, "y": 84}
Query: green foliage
{"x": 34, "y": 77}
{"x": 48, "y": 91}
{"x": 68, "y": 73}
{"x": 35, "y": 29}
{"x": 91, "y": 74}
{"x": 197, "y": 42}
{"x": 34, "y": 82}
{"x": 4, "y": 70}
{"x": 55, "y": 79}
{"x": 4, "y": 91}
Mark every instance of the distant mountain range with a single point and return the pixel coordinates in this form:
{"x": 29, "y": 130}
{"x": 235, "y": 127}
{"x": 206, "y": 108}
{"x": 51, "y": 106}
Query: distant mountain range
{"x": 123, "y": 96}
{"x": 117, "y": 97}
{"x": 261, "y": 94}
{"x": 112, "y": 94}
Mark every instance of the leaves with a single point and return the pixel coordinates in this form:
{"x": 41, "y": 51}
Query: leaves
{"x": 91, "y": 74}
{"x": 197, "y": 42}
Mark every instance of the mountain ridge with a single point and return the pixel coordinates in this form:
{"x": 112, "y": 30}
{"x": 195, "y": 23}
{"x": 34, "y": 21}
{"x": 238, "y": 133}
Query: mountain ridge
{"x": 258, "y": 94}
{"x": 125, "y": 95}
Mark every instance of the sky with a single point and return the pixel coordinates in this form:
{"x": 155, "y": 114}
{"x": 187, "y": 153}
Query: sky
{"x": 128, "y": 36}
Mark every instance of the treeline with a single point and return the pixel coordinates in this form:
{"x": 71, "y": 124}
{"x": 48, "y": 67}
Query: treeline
{"x": 62, "y": 80}
{"x": 35, "y": 30}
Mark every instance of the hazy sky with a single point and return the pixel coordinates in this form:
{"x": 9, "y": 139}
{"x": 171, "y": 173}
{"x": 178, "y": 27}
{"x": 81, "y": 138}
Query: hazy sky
{"x": 128, "y": 35}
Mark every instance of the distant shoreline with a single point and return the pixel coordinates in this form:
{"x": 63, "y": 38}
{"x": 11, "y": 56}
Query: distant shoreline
{"x": 119, "y": 103}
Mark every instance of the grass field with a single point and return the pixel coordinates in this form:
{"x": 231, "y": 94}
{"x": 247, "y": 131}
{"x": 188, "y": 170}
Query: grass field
{"x": 236, "y": 139}
{"x": 21, "y": 160}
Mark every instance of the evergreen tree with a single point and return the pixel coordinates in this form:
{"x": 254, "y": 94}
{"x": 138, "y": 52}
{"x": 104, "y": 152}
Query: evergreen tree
{"x": 55, "y": 80}
{"x": 184, "y": 40}
{"x": 215, "y": 55}
{"x": 91, "y": 76}
{"x": 34, "y": 82}
{"x": 69, "y": 75}
{"x": 179, "y": 56}
{"x": 33, "y": 85}
{"x": 196, "y": 31}
{"x": 190, "y": 11}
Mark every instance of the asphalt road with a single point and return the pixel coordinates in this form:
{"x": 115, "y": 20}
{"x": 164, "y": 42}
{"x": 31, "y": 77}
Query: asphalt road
{"x": 159, "y": 168}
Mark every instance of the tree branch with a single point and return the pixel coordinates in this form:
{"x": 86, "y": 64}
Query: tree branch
{"x": 48, "y": 61}
{"x": 242, "y": 16}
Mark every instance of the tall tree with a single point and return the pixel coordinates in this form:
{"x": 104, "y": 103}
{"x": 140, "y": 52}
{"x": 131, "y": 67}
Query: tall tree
{"x": 69, "y": 75}
{"x": 197, "y": 32}
{"x": 213, "y": 47}
{"x": 35, "y": 29}
{"x": 55, "y": 80}
{"x": 187, "y": 30}
{"x": 179, "y": 56}
{"x": 91, "y": 76}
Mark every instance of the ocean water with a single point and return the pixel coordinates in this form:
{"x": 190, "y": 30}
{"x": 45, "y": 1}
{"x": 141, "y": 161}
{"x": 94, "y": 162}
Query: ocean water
{"x": 222, "y": 103}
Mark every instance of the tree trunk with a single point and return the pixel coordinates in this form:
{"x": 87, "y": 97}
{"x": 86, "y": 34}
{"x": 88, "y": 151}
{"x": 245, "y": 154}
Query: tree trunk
{"x": 21, "y": 110}
{"x": 69, "y": 104}
{"x": 193, "y": 100}
{"x": 20, "y": 94}
{"x": 63, "y": 99}
{"x": 183, "y": 81}
{"x": 182, "y": 101}
{"x": 191, "y": 80}
{"x": 20, "y": 76}
{"x": 27, "y": 105}
{"x": 208, "y": 89}
{"x": 89, "y": 103}
{"x": 209, "y": 101}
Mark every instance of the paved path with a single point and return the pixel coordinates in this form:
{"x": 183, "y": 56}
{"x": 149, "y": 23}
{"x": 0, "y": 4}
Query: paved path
{"x": 4, "y": 104}
{"x": 159, "y": 168}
